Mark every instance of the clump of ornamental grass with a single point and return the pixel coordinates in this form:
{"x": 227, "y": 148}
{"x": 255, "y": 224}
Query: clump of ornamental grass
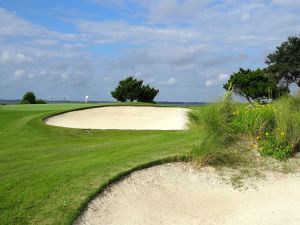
{"x": 219, "y": 134}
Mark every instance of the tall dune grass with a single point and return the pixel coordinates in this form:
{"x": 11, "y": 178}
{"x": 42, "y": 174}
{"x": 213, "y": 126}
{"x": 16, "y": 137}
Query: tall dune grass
{"x": 287, "y": 117}
{"x": 219, "y": 134}
{"x": 275, "y": 126}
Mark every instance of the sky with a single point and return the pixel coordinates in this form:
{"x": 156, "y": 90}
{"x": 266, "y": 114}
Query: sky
{"x": 186, "y": 48}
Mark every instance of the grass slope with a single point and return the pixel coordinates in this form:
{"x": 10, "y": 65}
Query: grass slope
{"x": 47, "y": 173}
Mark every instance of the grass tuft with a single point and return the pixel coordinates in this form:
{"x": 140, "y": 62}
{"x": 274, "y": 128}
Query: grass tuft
{"x": 219, "y": 134}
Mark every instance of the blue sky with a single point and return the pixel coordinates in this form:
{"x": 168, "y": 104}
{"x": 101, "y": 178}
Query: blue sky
{"x": 185, "y": 48}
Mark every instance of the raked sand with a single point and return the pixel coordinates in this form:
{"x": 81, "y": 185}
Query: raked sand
{"x": 123, "y": 117}
{"x": 179, "y": 194}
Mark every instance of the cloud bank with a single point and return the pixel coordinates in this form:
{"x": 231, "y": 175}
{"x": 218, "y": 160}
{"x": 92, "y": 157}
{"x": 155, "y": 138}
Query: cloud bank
{"x": 187, "y": 48}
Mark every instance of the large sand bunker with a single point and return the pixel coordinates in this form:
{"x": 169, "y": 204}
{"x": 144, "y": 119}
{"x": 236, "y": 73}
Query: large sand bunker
{"x": 123, "y": 117}
{"x": 179, "y": 194}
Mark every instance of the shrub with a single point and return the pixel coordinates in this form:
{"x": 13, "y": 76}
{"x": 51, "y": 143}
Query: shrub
{"x": 40, "y": 101}
{"x": 25, "y": 102}
{"x": 273, "y": 146}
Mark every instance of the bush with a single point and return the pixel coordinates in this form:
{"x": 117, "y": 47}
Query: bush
{"x": 273, "y": 146}
{"x": 25, "y": 102}
{"x": 40, "y": 101}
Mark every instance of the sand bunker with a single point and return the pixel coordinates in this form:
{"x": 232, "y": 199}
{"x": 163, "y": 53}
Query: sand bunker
{"x": 178, "y": 194}
{"x": 123, "y": 117}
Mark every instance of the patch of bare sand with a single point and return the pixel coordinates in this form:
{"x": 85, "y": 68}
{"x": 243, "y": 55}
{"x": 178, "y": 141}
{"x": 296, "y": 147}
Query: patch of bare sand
{"x": 180, "y": 194}
{"x": 124, "y": 118}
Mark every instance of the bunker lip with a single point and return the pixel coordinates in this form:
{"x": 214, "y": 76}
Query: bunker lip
{"x": 123, "y": 118}
{"x": 180, "y": 194}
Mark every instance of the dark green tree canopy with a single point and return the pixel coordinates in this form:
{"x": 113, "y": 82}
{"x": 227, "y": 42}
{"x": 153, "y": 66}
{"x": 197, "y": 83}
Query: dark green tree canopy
{"x": 131, "y": 89}
{"x": 254, "y": 85}
{"x": 28, "y": 98}
{"x": 147, "y": 94}
{"x": 284, "y": 62}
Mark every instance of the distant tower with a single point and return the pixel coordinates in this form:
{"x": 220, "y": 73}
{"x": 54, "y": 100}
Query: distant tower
{"x": 86, "y": 99}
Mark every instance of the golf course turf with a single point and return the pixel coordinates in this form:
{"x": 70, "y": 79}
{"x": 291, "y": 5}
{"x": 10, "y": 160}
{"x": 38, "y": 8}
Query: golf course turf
{"x": 48, "y": 174}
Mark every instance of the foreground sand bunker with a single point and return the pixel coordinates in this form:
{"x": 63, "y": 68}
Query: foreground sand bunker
{"x": 177, "y": 194}
{"x": 124, "y": 117}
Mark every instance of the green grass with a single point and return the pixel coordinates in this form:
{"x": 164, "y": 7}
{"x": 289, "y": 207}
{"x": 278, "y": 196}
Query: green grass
{"x": 47, "y": 173}
{"x": 274, "y": 129}
{"x": 219, "y": 136}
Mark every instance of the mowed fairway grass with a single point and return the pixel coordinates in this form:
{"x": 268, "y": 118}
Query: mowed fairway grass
{"x": 48, "y": 173}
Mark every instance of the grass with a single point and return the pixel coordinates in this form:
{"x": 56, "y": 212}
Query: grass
{"x": 47, "y": 173}
{"x": 216, "y": 148}
{"x": 225, "y": 124}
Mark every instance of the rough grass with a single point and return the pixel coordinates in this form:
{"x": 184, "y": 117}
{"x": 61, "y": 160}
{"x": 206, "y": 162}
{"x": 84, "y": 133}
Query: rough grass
{"x": 219, "y": 136}
{"x": 225, "y": 124}
{"x": 47, "y": 173}
{"x": 287, "y": 118}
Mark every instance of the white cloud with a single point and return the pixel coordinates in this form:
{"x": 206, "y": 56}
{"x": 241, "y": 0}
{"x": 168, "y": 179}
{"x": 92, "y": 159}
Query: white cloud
{"x": 118, "y": 31}
{"x": 246, "y": 17}
{"x": 14, "y": 57}
{"x": 169, "y": 82}
{"x": 18, "y": 75}
{"x": 110, "y": 3}
{"x": 46, "y": 42}
{"x": 287, "y": 3}
{"x": 13, "y": 25}
{"x": 221, "y": 78}
{"x": 173, "y": 42}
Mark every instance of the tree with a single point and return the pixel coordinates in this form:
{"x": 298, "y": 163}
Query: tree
{"x": 29, "y": 98}
{"x": 284, "y": 62}
{"x": 254, "y": 85}
{"x": 128, "y": 89}
{"x": 147, "y": 94}
{"x": 131, "y": 89}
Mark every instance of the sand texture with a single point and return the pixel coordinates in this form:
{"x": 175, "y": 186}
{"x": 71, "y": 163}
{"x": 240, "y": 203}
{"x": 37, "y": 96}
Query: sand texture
{"x": 124, "y": 118}
{"x": 179, "y": 194}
